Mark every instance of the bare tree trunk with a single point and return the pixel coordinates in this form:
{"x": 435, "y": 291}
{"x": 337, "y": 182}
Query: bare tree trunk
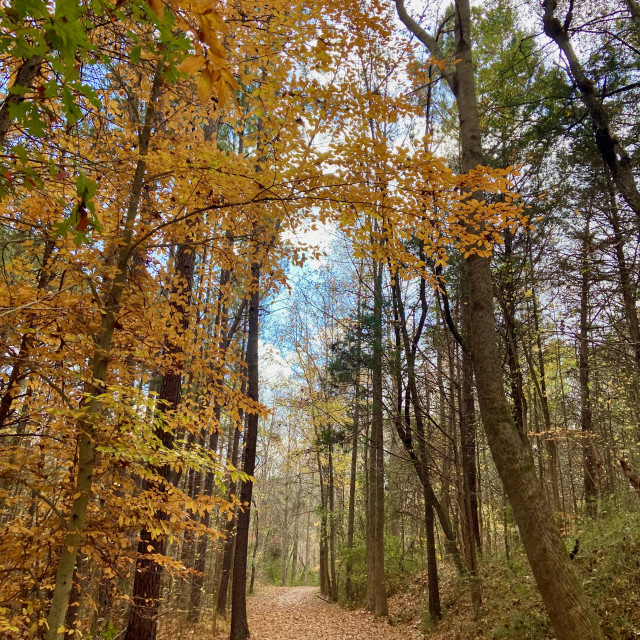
{"x": 377, "y": 440}
{"x": 239, "y": 625}
{"x": 627, "y": 286}
{"x": 591, "y": 491}
{"x": 284, "y": 537}
{"x": 627, "y": 289}
{"x": 307, "y": 549}
{"x": 541, "y": 389}
{"x": 468, "y": 454}
{"x": 74, "y": 599}
{"x": 333, "y": 591}
{"x": 255, "y": 549}
{"x": 225, "y": 336}
{"x": 229, "y": 527}
{"x": 200, "y": 555}
{"x": 296, "y": 516}
{"x": 420, "y": 455}
{"x": 508, "y": 294}
{"x": 325, "y": 580}
{"x": 354, "y": 463}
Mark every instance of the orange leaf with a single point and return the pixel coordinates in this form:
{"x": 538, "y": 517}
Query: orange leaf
{"x": 191, "y": 64}
{"x": 205, "y": 85}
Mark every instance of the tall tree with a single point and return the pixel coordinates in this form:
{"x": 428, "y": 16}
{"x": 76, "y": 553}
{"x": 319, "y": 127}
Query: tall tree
{"x": 239, "y": 625}
{"x": 568, "y": 607}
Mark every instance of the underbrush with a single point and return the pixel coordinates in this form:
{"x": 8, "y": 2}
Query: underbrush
{"x": 608, "y": 563}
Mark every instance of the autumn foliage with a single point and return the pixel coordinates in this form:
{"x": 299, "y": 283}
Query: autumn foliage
{"x": 135, "y": 132}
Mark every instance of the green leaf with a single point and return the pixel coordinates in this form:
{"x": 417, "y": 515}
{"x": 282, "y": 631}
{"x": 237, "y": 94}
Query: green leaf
{"x": 72, "y": 111}
{"x": 134, "y": 56}
{"x": 27, "y": 115}
{"x": 30, "y": 8}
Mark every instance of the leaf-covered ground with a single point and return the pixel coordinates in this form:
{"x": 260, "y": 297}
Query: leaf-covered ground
{"x": 297, "y": 613}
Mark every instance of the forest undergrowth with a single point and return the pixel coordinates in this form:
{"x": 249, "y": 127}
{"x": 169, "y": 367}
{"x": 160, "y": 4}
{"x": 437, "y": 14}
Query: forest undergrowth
{"x": 607, "y": 561}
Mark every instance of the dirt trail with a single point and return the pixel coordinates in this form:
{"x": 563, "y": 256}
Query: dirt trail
{"x": 297, "y": 613}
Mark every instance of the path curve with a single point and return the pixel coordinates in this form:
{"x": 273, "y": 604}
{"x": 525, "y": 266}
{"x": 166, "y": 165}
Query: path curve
{"x": 297, "y": 613}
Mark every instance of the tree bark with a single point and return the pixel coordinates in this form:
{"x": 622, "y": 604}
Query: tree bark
{"x": 239, "y": 625}
{"x": 377, "y": 451}
{"x": 229, "y": 529}
{"x": 541, "y": 389}
{"x": 627, "y": 284}
{"x": 421, "y": 460}
{"x": 29, "y": 70}
{"x": 333, "y": 591}
{"x": 20, "y": 370}
{"x": 591, "y": 491}
{"x": 468, "y": 454}
{"x": 354, "y": 462}
{"x": 255, "y": 549}
{"x": 631, "y": 476}
{"x": 225, "y": 334}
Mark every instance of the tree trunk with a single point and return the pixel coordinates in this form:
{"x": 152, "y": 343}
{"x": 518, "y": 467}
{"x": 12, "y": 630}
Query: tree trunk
{"x": 19, "y": 370}
{"x": 627, "y": 289}
{"x": 27, "y": 73}
{"x": 332, "y": 530}
{"x": 568, "y": 607}
{"x": 541, "y": 389}
{"x": 468, "y": 454}
{"x": 229, "y": 528}
{"x": 631, "y": 476}
{"x": 239, "y": 625}
{"x": 147, "y": 583}
{"x": 92, "y": 406}
{"x": 508, "y": 308}
{"x": 255, "y": 549}
{"x": 377, "y": 439}
{"x": 200, "y": 555}
{"x": 296, "y": 519}
{"x": 591, "y": 491}
{"x": 354, "y": 464}
{"x": 325, "y": 581}
{"x": 284, "y": 537}
{"x": 419, "y": 456}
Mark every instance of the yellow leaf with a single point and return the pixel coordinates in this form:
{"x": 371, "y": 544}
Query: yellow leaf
{"x": 229, "y": 79}
{"x": 216, "y": 50}
{"x": 222, "y": 90}
{"x": 205, "y": 85}
{"x": 191, "y": 64}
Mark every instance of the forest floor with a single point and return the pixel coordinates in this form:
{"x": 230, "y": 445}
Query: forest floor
{"x": 298, "y": 613}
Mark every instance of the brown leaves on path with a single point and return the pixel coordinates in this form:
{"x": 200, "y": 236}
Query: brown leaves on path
{"x": 297, "y": 613}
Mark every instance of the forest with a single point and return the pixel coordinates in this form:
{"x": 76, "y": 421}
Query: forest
{"x": 319, "y": 319}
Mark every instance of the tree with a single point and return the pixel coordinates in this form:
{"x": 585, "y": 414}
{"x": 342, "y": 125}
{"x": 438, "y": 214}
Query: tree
{"x": 568, "y": 607}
